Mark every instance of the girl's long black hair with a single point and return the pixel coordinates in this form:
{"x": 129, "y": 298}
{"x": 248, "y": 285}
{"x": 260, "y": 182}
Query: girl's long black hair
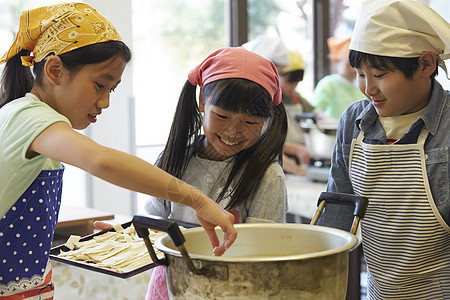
{"x": 235, "y": 95}
{"x": 17, "y": 80}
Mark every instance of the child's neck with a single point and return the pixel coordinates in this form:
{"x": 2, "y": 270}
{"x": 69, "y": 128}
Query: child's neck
{"x": 207, "y": 151}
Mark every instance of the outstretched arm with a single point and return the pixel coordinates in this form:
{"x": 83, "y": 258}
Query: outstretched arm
{"x": 60, "y": 142}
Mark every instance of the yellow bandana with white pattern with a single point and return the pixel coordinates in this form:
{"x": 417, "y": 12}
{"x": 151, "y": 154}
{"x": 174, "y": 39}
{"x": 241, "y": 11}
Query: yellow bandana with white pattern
{"x": 57, "y": 29}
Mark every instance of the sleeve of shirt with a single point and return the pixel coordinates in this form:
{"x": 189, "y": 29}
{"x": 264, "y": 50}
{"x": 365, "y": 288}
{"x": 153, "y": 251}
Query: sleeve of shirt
{"x": 321, "y": 95}
{"x": 270, "y": 201}
{"x": 21, "y": 121}
{"x": 22, "y": 127}
{"x": 155, "y": 206}
{"x": 339, "y": 179}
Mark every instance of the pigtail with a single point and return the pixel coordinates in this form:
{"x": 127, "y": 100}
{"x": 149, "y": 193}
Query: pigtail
{"x": 16, "y": 80}
{"x": 185, "y": 130}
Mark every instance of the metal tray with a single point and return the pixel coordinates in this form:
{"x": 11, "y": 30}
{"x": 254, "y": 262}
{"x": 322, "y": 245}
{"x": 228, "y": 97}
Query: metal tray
{"x": 54, "y": 252}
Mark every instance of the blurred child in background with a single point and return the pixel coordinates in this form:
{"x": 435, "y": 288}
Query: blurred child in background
{"x": 291, "y": 68}
{"x": 335, "y": 92}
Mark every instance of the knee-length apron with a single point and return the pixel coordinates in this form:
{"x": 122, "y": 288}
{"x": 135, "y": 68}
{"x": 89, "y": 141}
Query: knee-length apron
{"x": 406, "y": 242}
{"x": 26, "y": 234}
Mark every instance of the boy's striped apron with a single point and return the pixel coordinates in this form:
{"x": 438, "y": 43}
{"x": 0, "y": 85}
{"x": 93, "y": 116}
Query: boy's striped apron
{"x": 406, "y": 242}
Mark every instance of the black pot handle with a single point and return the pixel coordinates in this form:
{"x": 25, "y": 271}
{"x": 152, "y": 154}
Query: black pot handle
{"x": 143, "y": 223}
{"x": 360, "y": 203}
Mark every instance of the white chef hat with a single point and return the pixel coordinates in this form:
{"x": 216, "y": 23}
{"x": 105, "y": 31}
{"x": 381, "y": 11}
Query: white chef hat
{"x": 400, "y": 28}
{"x": 271, "y": 47}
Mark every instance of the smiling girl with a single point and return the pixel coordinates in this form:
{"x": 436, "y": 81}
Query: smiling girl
{"x": 236, "y": 161}
{"x": 78, "y": 58}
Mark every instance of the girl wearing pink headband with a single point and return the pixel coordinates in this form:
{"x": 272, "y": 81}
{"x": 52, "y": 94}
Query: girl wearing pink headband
{"x": 238, "y": 63}
{"x": 237, "y": 159}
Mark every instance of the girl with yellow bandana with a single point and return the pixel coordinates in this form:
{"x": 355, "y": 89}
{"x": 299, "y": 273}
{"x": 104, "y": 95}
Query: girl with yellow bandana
{"x": 78, "y": 58}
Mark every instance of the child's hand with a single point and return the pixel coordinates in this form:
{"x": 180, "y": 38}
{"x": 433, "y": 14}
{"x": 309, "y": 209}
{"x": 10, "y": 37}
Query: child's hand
{"x": 210, "y": 215}
{"x": 297, "y": 150}
{"x": 102, "y": 225}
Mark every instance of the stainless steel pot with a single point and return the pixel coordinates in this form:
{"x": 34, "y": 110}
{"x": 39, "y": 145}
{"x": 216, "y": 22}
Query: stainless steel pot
{"x": 319, "y": 136}
{"x": 267, "y": 261}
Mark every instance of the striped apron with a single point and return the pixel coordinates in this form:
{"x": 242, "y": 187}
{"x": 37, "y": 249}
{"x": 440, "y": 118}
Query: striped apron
{"x": 406, "y": 242}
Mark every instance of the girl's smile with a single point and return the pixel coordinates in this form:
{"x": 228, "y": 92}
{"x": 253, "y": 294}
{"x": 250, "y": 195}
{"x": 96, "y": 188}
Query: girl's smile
{"x": 228, "y": 143}
{"x": 93, "y": 117}
{"x": 228, "y": 133}
{"x": 378, "y": 103}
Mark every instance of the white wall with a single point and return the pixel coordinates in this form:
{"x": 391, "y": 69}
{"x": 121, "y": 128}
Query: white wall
{"x": 115, "y": 127}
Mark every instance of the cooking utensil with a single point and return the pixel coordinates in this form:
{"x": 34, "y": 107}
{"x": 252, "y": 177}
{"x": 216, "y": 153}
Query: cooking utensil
{"x": 334, "y": 209}
{"x": 267, "y": 261}
{"x": 319, "y": 136}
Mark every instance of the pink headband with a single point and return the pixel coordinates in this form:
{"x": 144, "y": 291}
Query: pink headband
{"x": 237, "y": 62}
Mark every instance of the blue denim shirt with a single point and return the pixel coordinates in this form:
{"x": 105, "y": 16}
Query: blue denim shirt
{"x": 436, "y": 118}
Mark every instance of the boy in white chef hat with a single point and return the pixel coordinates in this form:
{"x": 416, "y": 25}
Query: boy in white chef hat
{"x": 393, "y": 147}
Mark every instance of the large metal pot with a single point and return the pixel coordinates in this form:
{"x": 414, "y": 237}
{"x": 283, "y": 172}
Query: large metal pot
{"x": 267, "y": 261}
{"x": 320, "y": 135}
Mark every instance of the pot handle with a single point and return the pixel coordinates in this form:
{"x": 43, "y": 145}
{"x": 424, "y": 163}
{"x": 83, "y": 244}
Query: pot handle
{"x": 143, "y": 223}
{"x": 359, "y": 203}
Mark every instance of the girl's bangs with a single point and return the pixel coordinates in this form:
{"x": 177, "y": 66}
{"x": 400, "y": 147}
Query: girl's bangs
{"x": 239, "y": 96}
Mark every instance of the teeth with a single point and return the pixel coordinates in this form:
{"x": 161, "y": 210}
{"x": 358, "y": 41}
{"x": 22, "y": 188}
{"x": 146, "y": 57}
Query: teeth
{"x": 228, "y": 143}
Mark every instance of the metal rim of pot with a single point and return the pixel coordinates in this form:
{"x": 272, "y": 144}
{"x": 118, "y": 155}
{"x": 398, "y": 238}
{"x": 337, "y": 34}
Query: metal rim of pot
{"x": 160, "y": 245}
{"x": 142, "y": 223}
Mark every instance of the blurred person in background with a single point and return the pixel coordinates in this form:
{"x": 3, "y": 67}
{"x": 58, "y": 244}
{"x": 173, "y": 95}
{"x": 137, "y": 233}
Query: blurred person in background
{"x": 335, "y": 92}
{"x": 291, "y": 68}
{"x": 295, "y": 154}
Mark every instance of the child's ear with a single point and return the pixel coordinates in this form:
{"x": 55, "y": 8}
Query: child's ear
{"x": 201, "y": 101}
{"x": 427, "y": 63}
{"x": 53, "y": 69}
